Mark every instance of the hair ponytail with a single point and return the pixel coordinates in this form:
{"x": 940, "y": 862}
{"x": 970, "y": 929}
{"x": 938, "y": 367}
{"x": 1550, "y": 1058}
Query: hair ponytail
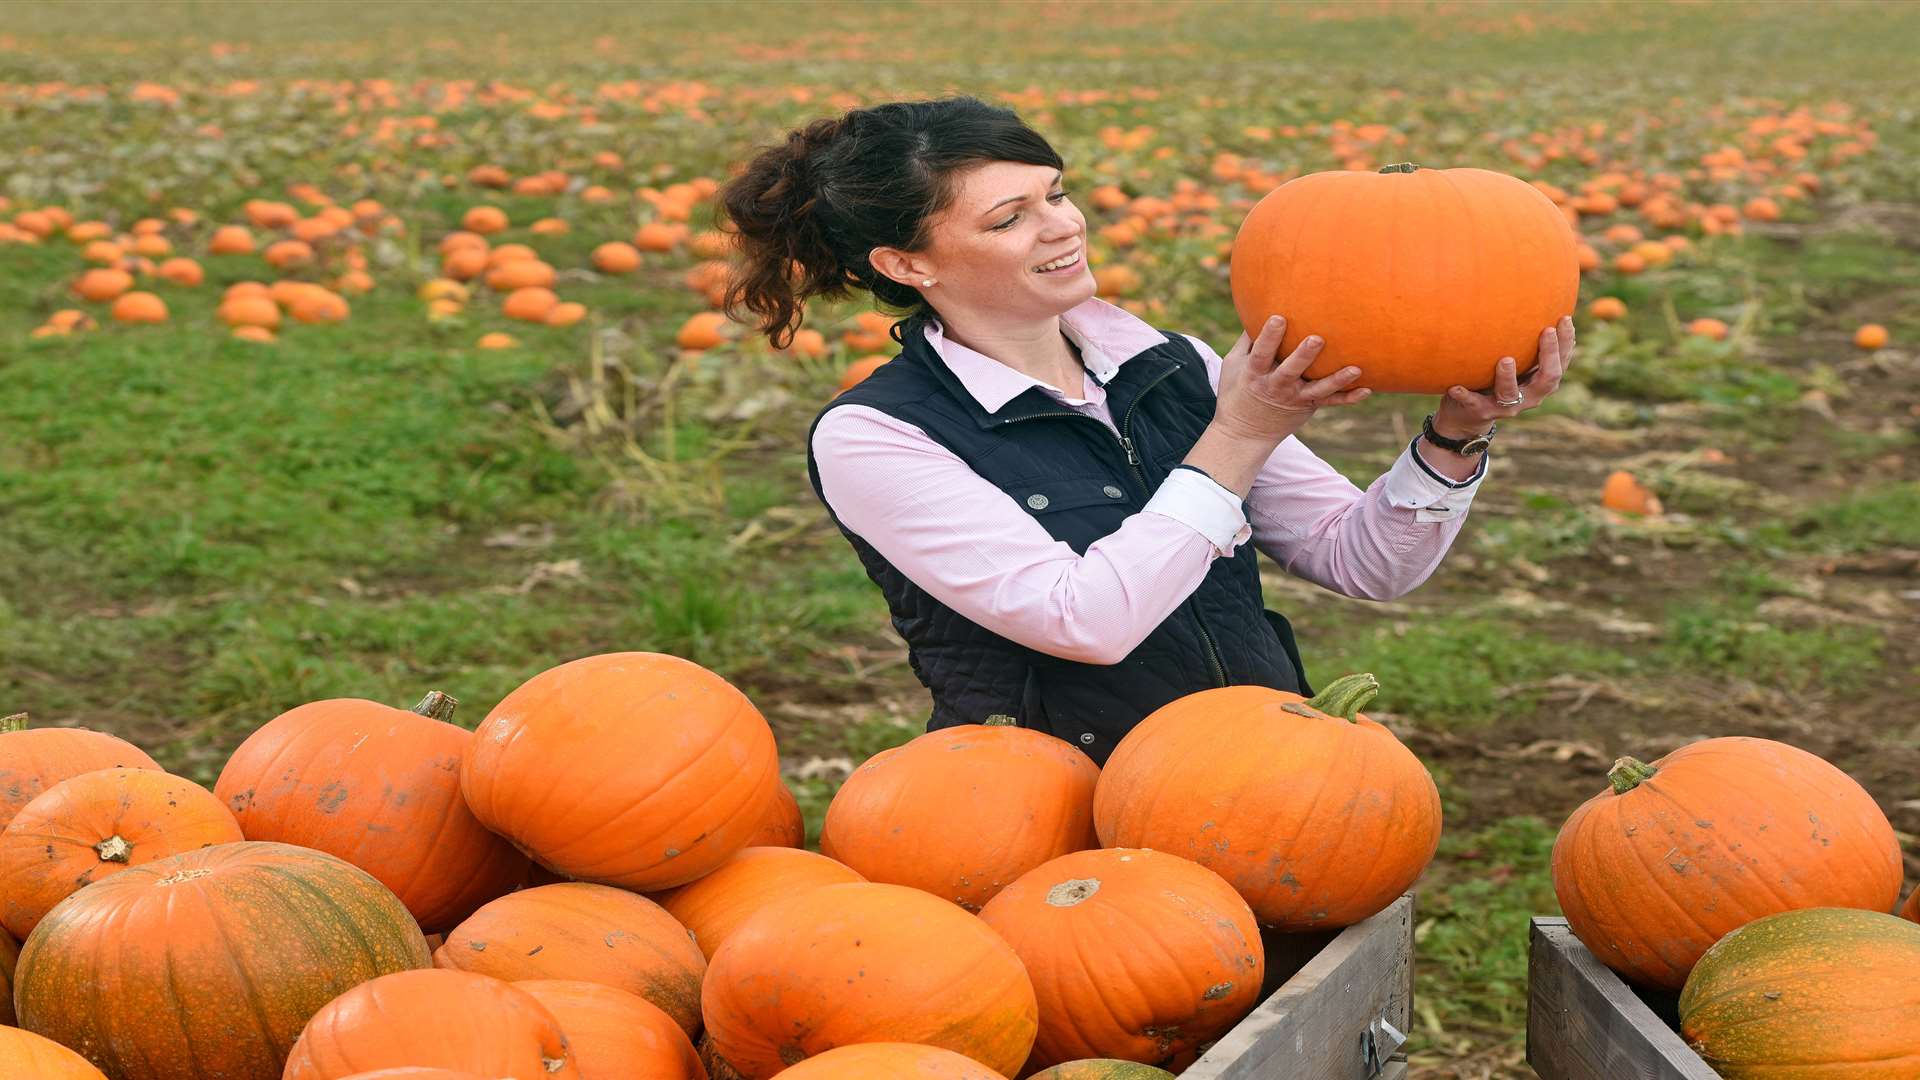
{"x": 806, "y": 213}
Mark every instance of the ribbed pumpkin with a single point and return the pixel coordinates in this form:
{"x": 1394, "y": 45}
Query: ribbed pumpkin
{"x": 380, "y": 788}
{"x": 616, "y": 1035}
{"x": 963, "y": 811}
{"x": 1829, "y": 992}
{"x": 1678, "y": 854}
{"x": 861, "y": 963}
{"x": 783, "y": 826}
{"x": 92, "y": 826}
{"x": 449, "y": 1019}
{"x": 752, "y": 879}
{"x": 1318, "y": 816}
{"x": 1424, "y": 278}
{"x": 1133, "y": 954}
{"x": 26, "y": 1056}
{"x": 208, "y": 964}
{"x": 634, "y": 769}
{"x": 1102, "y": 1069}
{"x": 34, "y": 759}
{"x": 579, "y": 931}
{"x": 417, "y": 1072}
{"x": 890, "y": 1061}
{"x": 9, "y": 956}
{"x": 1912, "y": 908}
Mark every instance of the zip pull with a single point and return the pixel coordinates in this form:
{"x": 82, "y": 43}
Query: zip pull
{"x": 1127, "y": 445}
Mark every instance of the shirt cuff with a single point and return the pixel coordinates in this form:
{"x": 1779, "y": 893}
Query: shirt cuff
{"x": 1414, "y": 485}
{"x": 1194, "y": 499}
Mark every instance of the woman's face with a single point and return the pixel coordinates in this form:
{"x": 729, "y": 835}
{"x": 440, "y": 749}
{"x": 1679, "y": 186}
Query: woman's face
{"x": 1007, "y": 220}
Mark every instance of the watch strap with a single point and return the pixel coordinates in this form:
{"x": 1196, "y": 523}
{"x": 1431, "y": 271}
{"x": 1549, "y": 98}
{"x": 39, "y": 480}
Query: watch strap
{"x": 1475, "y": 445}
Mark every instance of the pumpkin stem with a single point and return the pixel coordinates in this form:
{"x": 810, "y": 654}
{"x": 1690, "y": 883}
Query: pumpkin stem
{"x": 1401, "y": 167}
{"x": 16, "y": 722}
{"x": 1000, "y": 720}
{"x": 438, "y": 705}
{"x": 114, "y": 849}
{"x": 1346, "y": 695}
{"x": 1628, "y": 773}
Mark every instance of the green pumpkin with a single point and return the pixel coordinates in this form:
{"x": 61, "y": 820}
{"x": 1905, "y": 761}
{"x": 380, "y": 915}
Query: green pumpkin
{"x": 1102, "y": 1069}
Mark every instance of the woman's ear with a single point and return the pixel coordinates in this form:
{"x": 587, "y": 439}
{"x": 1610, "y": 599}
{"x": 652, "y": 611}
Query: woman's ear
{"x": 899, "y": 266}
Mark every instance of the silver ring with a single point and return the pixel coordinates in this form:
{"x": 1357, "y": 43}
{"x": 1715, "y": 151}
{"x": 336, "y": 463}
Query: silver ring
{"x": 1521, "y": 400}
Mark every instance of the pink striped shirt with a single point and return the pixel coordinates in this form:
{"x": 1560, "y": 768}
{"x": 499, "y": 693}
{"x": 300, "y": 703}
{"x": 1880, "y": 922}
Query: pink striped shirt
{"x": 976, "y": 550}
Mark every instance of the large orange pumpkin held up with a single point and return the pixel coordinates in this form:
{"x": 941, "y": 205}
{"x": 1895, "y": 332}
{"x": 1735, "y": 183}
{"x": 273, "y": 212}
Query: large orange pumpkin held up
{"x": 1424, "y": 278}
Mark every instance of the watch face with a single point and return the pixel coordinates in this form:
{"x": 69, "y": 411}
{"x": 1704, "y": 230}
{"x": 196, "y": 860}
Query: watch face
{"x": 1476, "y": 446}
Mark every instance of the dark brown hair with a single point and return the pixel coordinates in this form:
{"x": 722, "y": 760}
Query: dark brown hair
{"x": 807, "y": 212}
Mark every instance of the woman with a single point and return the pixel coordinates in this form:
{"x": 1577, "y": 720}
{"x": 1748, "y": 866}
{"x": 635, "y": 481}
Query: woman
{"x": 1056, "y": 498}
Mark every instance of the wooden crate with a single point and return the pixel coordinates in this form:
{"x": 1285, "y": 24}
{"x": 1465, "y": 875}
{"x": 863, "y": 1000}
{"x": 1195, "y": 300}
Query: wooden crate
{"x": 1338, "y": 1006}
{"x": 1586, "y": 1023}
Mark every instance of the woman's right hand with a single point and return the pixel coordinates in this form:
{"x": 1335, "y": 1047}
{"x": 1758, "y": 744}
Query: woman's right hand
{"x": 1261, "y": 399}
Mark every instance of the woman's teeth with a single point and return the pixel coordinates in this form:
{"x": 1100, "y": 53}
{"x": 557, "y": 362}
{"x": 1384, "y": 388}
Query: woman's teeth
{"x": 1057, "y": 264}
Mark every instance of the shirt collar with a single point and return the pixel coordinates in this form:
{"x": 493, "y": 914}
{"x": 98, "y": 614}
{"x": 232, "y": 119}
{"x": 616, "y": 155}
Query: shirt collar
{"x": 1107, "y": 336}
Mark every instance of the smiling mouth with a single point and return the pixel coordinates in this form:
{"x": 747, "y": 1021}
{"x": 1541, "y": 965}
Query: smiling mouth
{"x": 1065, "y": 262}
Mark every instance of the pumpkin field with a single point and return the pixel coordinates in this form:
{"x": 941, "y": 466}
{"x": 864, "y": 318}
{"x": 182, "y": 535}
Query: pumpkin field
{"x": 354, "y": 350}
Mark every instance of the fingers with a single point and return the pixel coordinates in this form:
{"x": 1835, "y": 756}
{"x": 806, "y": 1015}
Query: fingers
{"x": 1325, "y": 390}
{"x": 1566, "y": 343}
{"x": 1303, "y": 355}
{"x": 1507, "y": 394}
{"x": 1260, "y": 355}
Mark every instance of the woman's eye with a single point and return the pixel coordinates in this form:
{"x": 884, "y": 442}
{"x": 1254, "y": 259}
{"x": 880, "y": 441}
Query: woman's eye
{"x": 1053, "y": 198}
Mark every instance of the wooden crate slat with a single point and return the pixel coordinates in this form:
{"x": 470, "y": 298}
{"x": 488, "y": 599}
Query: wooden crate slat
{"x": 1585, "y": 1023}
{"x": 1309, "y": 1029}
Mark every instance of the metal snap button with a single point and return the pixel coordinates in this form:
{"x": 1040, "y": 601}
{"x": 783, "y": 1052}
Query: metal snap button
{"x": 1086, "y": 737}
{"x": 1038, "y": 502}
{"x": 1112, "y": 492}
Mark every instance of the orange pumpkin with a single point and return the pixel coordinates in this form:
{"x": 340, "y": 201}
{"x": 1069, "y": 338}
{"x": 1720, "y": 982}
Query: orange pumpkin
{"x": 890, "y": 1061}
{"x": 864, "y": 963}
{"x": 379, "y": 787}
{"x": 1134, "y": 954}
{"x": 231, "y": 240}
{"x": 317, "y": 305}
{"x": 565, "y": 314}
{"x": 920, "y": 815}
{"x": 249, "y": 310}
{"x": 520, "y": 274}
{"x": 857, "y": 372}
{"x": 701, "y": 331}
{"x": 1817, "y": 992}
{"x": 614, "y": 257}
{"x": 1675, "y": 855}
{"x": 1624, "y": 494}
{"x": 139, "y": 307}
{"x": 616, "y": 1035}
{"x": 34, "y": 759}
{"x": 1607, "y": 309}
{"x": 712, "y": 907}
{"x": 1316, "y": 814}
{"x": 484, "y": 220}
{"x": 103, "y": 284}
{"x": 1711, "y": 329}
{"x": 581, "y": 931}
{"x": 417, "y": 1072}
{"x": 635, "y": 769}
{"x": 32, "y": 1057}
{"x": 92, "y": 826}
{"x": 531, "y": 304}
{"x": 448, "y": 1019}
{"x": 1870, "y": 336}
{"x": 1424, "y": 278}
{"x": 217, "y": 956}
{"x": 287, "y": 254}
{"x": 9, "y": 956}
{"x": 783, "y": 826}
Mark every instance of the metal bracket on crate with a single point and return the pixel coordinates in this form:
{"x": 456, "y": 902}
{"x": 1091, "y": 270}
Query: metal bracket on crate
{"x": 1377, "y": 1046}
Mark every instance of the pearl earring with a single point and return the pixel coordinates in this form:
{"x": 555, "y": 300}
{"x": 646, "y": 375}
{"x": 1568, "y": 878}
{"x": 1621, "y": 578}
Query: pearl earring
{"x": 928, "y": 283}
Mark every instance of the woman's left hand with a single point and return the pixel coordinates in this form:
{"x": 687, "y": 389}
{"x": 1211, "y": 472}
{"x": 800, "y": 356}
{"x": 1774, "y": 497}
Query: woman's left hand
{"x": 1464, "y": 413}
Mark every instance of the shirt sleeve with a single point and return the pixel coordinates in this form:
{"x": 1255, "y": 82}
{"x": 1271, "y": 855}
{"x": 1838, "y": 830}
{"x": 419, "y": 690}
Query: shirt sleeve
{"x": 972, "y": 547}
{"x": 1376, "y": 544}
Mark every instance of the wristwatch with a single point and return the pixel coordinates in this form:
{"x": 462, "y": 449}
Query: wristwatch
{"x": 1467, "y": 447}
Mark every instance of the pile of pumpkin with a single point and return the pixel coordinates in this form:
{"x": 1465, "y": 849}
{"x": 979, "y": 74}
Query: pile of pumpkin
{"x": 606, "y": 879}
{"x": 1756, "y": 879}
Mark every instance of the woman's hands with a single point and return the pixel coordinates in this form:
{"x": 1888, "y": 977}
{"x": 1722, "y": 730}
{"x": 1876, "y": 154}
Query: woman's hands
{"x": 1466, "y": 414}
{"x": 1264, "y": 400}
